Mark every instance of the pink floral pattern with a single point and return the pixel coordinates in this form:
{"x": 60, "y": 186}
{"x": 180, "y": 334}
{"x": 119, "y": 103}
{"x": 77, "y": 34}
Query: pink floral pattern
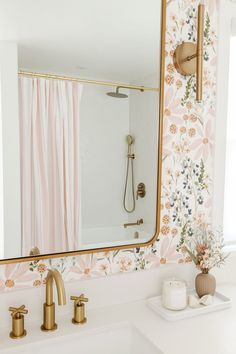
{"x": 188, "y": 140}
{"x": 15, "y": 276}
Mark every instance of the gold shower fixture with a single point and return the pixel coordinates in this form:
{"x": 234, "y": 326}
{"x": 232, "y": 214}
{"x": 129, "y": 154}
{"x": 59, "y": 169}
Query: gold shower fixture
{"x": 188, "y": 57}
{"x": 138, "y": 222}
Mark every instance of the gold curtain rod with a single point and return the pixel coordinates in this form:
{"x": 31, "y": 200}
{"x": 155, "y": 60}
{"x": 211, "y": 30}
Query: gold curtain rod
{"x": 86, "y": 81}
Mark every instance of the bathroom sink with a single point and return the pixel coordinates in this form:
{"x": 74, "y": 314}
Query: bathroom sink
{"x": 119, "y": 339}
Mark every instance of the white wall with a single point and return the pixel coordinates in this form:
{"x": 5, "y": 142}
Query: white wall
{"x": 227, "y": 28}
{"x": 227, "y": 14}
{"x": 104, "y": 124}
{"x": 144, "y": 113}
{"x": 10, "y": 149}
{"x": 1, "y": 193}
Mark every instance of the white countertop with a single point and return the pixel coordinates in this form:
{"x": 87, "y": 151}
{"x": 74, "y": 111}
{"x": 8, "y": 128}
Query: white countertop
{"x": 213, "y": 333}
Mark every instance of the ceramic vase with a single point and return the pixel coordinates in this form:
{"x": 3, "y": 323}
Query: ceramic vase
{"x": 205, "y": 284}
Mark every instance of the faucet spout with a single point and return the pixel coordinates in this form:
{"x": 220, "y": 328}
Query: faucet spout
{"x": 49, "y": 323}
{"x": 53, "y": 274}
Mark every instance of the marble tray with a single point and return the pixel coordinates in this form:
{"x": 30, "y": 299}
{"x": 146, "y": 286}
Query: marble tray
{"x": 220, "y": 302}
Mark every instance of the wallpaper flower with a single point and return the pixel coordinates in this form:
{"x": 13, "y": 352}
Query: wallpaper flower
{"x": 188, "y": 142}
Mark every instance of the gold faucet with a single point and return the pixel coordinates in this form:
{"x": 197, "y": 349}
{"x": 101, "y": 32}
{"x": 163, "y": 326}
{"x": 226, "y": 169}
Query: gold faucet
{"x": 49, "y": 323}
{"x": 138, "y": 222}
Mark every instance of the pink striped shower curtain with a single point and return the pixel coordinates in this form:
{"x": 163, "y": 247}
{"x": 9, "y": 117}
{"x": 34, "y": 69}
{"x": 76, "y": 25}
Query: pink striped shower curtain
{"x": 49, "y": 138}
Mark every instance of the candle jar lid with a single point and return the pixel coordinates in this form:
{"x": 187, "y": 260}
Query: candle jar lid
{"x": 174, "y": 282}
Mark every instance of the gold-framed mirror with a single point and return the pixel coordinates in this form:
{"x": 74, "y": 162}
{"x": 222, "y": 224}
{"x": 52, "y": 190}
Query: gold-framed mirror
{"x": 82, "y": 109}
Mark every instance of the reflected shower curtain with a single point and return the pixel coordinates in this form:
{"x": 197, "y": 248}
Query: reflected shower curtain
{"x": 49, "y": 134}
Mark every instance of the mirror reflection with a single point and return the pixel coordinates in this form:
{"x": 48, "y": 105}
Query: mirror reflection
{"x": 80, "y": 113}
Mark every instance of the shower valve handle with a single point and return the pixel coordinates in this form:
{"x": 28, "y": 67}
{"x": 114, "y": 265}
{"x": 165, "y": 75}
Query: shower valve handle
{"x": 141, "y": 191}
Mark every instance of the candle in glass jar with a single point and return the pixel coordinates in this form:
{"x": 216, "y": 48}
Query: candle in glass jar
{"x": 174, "y": 294}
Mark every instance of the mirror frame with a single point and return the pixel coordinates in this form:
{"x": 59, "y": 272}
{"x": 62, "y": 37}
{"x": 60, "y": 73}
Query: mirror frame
{"x": 159, "y": 173}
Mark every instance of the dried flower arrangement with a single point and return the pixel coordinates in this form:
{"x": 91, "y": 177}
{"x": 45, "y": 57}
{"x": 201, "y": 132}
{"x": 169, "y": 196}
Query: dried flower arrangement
{"x": 205, "y": 248}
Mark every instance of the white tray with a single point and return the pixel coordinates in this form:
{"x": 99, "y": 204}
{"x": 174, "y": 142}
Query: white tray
{"x": 220, "y": 302}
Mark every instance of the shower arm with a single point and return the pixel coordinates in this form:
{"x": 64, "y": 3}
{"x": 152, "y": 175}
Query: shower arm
{"x": 142, "y": 89}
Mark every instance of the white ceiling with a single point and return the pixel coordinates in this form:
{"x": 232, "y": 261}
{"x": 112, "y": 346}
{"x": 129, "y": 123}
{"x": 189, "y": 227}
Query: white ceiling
{"x": 110, "y": 39}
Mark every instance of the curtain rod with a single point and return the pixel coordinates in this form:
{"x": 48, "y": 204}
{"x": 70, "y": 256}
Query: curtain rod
{"x": 86, "y": 81}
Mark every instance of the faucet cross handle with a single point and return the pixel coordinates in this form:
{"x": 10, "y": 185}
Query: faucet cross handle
{"x": 79, "y": 309}
{"x": 18, "y": 310}
{"x": 79, "y": 299}
{"x": 18, "y": 327}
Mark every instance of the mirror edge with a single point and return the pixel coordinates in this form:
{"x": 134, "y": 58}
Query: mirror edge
{"x": 159, "y": 174}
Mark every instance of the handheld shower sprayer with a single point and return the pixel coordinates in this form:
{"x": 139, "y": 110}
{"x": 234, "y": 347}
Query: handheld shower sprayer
{"x": 130, "y": 141}
{"x": 130, "y": 159}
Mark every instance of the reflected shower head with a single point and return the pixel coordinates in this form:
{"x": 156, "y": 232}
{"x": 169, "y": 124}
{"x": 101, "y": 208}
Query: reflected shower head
{"x": 117, "y": 94}
{"x": 129, "y": 139}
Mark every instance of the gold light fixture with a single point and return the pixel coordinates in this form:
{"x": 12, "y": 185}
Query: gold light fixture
{"x": 188, "y": 57}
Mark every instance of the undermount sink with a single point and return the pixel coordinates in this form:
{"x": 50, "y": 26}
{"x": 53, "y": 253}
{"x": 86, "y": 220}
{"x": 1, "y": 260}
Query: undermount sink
{"x": 118, "y": 339}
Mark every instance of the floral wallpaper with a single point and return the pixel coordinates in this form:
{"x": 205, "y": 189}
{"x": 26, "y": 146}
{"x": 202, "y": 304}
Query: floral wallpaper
{"x": 188, "y": 141}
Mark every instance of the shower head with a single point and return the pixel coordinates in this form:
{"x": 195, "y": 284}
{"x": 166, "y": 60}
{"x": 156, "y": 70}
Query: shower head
{"x": 117, "y": 94}
{"x": 130, "y": 140}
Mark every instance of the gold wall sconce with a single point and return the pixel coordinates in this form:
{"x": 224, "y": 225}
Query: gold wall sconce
{"x": 188, "y": 57}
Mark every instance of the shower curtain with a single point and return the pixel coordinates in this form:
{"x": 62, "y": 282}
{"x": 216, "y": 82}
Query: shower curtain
{"x": 49, "y": 134}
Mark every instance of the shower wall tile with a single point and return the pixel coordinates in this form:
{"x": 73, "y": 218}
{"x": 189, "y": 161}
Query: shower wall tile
{"x": 188, "y": 143}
